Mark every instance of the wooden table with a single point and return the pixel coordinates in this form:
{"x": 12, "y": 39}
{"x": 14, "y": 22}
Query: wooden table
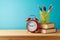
{"x": 25, "y": 35}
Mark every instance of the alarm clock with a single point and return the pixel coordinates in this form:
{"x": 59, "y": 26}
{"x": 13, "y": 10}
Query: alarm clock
{"x": 32, "y": 24}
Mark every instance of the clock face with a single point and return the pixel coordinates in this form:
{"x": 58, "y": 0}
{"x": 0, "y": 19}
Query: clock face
{"x": 32, "y": 26}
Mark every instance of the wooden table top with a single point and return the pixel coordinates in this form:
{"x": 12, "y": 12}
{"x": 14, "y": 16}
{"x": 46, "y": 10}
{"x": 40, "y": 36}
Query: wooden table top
{"x": 25, "y": 33}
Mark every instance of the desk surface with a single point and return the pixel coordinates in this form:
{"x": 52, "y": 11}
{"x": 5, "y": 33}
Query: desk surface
{"x": 25, "y": 33}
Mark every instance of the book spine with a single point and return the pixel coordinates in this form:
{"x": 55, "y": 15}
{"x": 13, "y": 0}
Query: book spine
{"x": 48, "y": 31}
{"x": 47, "y": 26}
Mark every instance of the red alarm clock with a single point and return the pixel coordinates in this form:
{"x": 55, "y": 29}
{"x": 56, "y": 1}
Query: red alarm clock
{"x": 32, "y": 25}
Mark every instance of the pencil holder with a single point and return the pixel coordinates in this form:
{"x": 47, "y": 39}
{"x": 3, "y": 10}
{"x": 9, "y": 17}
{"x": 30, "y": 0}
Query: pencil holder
{"x": 44, "y": 17}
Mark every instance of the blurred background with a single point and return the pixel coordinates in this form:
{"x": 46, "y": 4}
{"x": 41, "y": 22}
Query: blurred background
{"x": 13, "y": 13}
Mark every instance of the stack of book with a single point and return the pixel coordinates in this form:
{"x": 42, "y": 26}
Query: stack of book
{"x": 47, "y": 28}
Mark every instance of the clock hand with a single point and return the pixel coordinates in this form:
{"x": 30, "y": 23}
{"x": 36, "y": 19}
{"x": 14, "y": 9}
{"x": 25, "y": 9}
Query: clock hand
{"x": 31, "y": 25}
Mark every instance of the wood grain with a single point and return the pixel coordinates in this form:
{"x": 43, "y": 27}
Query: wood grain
{"x": 30, "y": 38}
{"x": 25, "y": 35}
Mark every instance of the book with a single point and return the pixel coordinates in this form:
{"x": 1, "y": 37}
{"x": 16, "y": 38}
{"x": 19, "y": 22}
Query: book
{"x": 47, "y": 26}
{"x": 48, "y": 30}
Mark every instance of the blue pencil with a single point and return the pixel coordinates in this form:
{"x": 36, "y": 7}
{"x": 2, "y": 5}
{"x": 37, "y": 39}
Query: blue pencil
{"x": 44, "y": 8}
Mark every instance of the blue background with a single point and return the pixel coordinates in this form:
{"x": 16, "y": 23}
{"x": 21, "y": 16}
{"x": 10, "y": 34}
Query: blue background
{"x": 13, "y": 13}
